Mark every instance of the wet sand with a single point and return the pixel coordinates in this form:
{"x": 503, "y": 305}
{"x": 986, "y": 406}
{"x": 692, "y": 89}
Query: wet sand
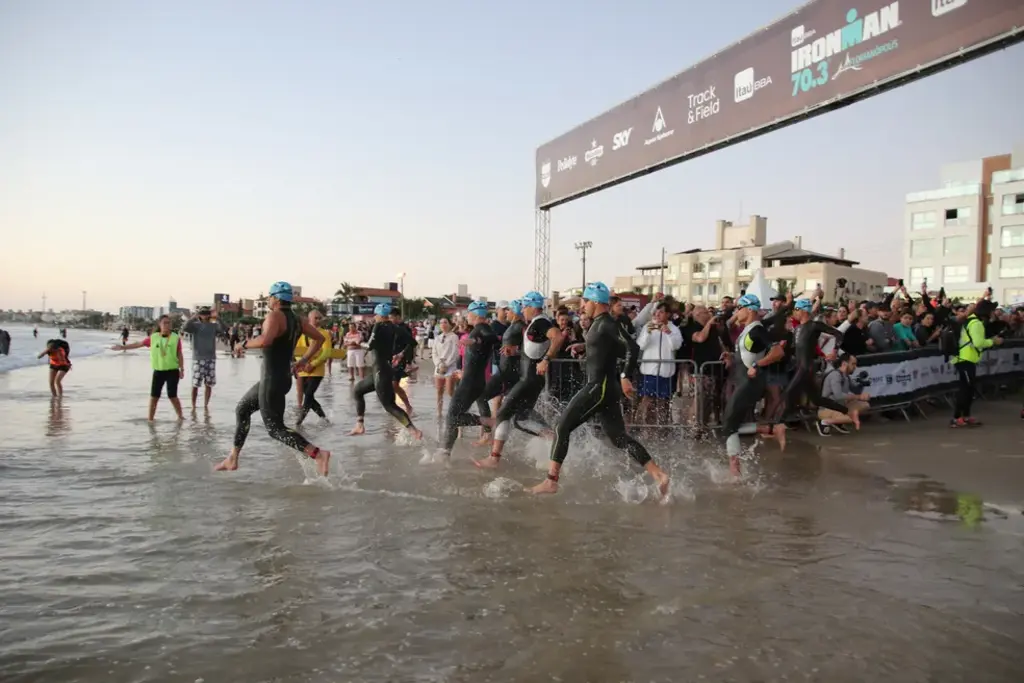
{"x": 127, "y": 559}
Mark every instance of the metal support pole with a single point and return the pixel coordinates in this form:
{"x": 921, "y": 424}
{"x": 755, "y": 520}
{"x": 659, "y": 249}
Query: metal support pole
{"x": 542, "y": 251}
{"x": 661, "y": 286}
{"x": 583, "y": 246}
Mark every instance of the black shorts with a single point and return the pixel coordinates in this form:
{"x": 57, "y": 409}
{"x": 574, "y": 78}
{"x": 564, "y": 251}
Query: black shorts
{"x": 162, "y": 377}
{"x": 61, "y": 368}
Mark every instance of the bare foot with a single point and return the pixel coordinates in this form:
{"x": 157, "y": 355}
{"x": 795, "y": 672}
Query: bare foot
{"x": 662, "y": 481}
{"x": 491, "y": 462}
{"x": 416, "y": 433}
{"x": 779, "y": 432}
{"x": 734, "y": 467}
{"x": 484, "y": 439}
{"x": 855, "y": 416}
{"x": 546, "y": 486}
{"x": 360, "y": 428}
{"x": 322, "y": 460}
{"x": 228, "y": 464}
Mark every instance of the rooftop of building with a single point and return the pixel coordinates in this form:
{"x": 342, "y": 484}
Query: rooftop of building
{"x": 786, "y": 251}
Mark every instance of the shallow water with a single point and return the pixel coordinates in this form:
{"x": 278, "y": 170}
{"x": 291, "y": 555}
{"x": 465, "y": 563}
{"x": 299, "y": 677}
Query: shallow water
{"x": 127, "y": 559}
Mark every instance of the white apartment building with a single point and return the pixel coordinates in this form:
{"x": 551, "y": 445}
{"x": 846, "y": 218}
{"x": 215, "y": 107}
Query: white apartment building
{"x": 705, "y": 276}
{"x": 1006, "y": 233}
{"x": 969, "y": 233}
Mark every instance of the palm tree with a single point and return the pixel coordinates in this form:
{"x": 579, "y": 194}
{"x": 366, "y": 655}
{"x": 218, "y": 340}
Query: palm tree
{"x": 346, "y": 294}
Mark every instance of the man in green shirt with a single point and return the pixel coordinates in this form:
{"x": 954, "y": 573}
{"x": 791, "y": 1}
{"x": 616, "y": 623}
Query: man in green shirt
{"x": 972, "y": 344}
{"x": 168, "y": 364}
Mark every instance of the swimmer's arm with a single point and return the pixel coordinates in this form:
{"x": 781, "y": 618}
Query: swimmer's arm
{"x": 828, "y": 329}
{"x": 632, "y": 352}
{"x": 776, "y": 352}
{"x": 556, "y": 338}
{"x": 273, "y": 326}
{"x": 316, "y": 341}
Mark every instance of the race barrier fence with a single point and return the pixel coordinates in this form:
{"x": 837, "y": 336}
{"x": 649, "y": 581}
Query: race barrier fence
{"x": 899, "y": 381}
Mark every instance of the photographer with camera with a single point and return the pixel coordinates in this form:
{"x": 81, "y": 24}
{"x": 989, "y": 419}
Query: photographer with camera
{"x": 842, "y": 386}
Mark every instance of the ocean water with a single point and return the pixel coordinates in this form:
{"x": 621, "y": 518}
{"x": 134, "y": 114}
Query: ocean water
{"x": 25, "y": 349}
{"x": 127, "y": 559}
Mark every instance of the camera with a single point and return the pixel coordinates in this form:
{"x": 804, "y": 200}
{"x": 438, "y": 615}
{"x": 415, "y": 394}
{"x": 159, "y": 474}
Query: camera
{"x": 863, "y": 378}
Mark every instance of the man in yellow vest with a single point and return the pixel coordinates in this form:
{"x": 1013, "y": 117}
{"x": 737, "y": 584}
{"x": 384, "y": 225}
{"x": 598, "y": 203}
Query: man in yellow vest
{"x": 314, "y": 375}
{"x": 972, "y": 343}
{"x": 167, "y": 361}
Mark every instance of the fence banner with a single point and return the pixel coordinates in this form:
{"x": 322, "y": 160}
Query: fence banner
{"x": 903, "y": 376}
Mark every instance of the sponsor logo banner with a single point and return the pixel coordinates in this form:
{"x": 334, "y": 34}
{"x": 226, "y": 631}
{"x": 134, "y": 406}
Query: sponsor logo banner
{"x": 825, "y": 52}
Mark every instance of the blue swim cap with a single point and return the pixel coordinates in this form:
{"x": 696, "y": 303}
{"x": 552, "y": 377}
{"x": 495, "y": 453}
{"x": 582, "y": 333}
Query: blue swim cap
{"x": 478, "y": 307}
{"x": 281, "y": 291}
{"x": 597, "y": 292}
{"x": 749, "y": 301}
{"x": 516, "y": 306}
{"x": 804, "y": 305}
{"x": 533, "y": 300}
{"x": 382, "y": 309}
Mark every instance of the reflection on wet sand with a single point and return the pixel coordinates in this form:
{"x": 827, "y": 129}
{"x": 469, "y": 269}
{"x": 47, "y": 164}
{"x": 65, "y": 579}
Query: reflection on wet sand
{"x": 123, "y": 568}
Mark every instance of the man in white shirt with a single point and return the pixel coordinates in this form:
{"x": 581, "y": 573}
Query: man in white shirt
{"x": 658, "y": 341}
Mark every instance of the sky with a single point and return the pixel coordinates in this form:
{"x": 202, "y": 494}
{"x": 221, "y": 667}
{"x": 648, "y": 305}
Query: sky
{"x": 151, "y": 150}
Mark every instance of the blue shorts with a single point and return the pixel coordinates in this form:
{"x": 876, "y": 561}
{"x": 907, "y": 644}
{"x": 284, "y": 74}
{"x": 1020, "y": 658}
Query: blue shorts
{"x": 656, "y": 386}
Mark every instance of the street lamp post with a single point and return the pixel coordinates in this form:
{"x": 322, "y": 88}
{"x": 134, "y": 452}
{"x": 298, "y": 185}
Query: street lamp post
{"x": 583, "y": 246}
{"x": 401, "y": 294}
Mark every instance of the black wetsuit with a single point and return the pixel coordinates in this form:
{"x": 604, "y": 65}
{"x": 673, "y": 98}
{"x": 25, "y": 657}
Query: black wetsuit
{"x": 383, "y": 343}
{"x": 805, "y": 381}
{"x": 601, "y": 394}
{"x": 471, "y": 387}
{"x": 268, "y": 395}
{"x": 522, "y": 397}
{"x": 756, "y": 339}
{"x": 405, "y": 344}
{"x": 508, "y": 366}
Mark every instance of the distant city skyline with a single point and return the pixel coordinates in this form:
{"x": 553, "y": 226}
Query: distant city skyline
{"x": 335, "y": 144}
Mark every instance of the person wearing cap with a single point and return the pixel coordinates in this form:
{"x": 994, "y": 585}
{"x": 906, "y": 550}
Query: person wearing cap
{"x": 804, "y": 383}
{"x": 601, "y": 395}
{"x": 279, "y": 334}
{"x": 480, "y": 344}
{"x": 204, "y": 332}
{"x": 507, "y": 374}
{"x": 539, "y": 342}
{"x": 383, "y": 343}
{"x": 756, "y": 351}
{"x": 972, "y": 343}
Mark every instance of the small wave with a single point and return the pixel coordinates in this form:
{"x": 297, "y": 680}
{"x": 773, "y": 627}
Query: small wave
{"x": 78, "y": 352}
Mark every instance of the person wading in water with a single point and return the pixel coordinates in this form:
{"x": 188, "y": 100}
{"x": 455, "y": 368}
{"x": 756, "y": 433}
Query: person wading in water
{"x": 601, "y": 396}
{"x": 280, "y": 331}
{"x": 168, "y": 364}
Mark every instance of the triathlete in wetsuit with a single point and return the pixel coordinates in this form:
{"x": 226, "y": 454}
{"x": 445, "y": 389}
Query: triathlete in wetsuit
{"x": 480, "y": 345}
{"x": 602, "y": 393}
{"x": 382, "y": 343}
{"x": 755, "y": 351}
{"x": 540, "y": 340}
{"x": 502, "y": 382}
{"x": 280, "y": 331}
{"x": 805, "y": 381}
{"x": 405, "y": 352}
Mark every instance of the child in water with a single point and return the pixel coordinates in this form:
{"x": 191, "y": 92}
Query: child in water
{"x": 58, "y": 351}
